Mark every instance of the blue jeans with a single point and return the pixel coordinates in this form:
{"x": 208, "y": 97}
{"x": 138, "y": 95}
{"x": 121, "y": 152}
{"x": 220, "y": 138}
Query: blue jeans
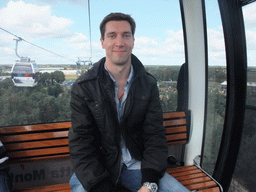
{"x": 4, "y": 182}
{"x": 131, "y": 179}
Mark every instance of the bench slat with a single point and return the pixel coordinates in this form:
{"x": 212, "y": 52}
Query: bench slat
{"x": 214, "y": 189}
{"x": 189, "y": 177}
{"x": 60, "y": 187}
{"x": 174, "y": 115}
{"x": 172, "y": 130}
{"x": 42, "y": 158}
{"x": 38, "y": 152}
{"x": 176, "y": 143}
{"x": 194, "y": 181}
{"x": 40, "y": 127}
{"x": 181, "y": 169}
{"x": 37, "y": 144}
{"x": 175, "y": 137}
{"x": 204, "y": 185}
{"x": 176, "y": 122}
{"x": 186, "y": 173}
{"x": 34, "y": 136}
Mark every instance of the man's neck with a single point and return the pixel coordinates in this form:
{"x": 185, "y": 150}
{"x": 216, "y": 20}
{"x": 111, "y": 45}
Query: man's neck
{"x": 119, "y": 72}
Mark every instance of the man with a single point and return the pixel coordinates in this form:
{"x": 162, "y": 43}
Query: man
{"x": 117, "y": 135}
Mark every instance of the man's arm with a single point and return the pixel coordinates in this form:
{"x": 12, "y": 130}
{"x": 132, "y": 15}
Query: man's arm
{"x": 84, "y": 150}
{"x": 144, "y": 189}
{"x": 154, "y": 161}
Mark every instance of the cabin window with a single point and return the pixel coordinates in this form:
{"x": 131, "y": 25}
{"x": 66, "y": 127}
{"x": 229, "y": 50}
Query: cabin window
{"x": 22, "y": 69}
{"x": 245, "y": 172}
{"x": 55, "y": 36}
{"x": 217, "y": 86}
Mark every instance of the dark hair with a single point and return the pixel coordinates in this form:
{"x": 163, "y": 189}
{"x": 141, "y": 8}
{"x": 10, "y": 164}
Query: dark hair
{"x": 116, "y": 17}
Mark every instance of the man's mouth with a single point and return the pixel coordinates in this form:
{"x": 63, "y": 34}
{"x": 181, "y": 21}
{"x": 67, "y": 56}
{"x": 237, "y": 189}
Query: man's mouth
{"x": 118, "y": 51}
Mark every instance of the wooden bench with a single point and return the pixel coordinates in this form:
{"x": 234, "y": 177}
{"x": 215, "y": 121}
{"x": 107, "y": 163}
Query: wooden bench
{"x": 48, "y": 143}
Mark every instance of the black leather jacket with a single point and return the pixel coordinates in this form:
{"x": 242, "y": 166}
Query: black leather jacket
{"x": 94, "y": 138}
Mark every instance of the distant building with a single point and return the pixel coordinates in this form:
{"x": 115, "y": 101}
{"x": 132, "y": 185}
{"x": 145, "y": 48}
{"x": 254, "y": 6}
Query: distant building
{"x": 170, "y": 84}
{"x": 251, "y": 81}
{"x": 251, "y": 75}
{"x": 251, "y": 85}
{"x": 223, "y": 86}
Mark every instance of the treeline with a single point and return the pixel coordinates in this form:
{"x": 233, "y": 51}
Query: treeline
{"x": 47, "y": 102}
{"x": 164, "y": 73}
{"x": 246, "y": 164}
{"x": 51, "y": 78}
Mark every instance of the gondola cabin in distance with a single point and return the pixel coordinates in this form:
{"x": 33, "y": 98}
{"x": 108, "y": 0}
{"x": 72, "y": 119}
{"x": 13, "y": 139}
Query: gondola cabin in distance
{"x": 25, "y": 73}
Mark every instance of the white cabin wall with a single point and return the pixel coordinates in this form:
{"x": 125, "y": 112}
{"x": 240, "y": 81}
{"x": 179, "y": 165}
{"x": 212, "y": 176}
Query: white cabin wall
{"x": 196, "y": 75}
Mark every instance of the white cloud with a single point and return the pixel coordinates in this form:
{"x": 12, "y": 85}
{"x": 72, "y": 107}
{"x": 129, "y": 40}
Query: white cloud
{"x": 29, "y": 20}
{"x": 160, "y": 48}
{"x": 5, "y": 39}
{"x": 251, "y": 40}
{"x": 142, "y": 41}
{"x": 79, "y": 41}
{"x": 81, "y": 44}
{"x": 174, "y": 43}
{"x": 145, "y": 45}
{"x": 78, "y": 38}
{"x": 215, "y": 40}
{"x": 174, "y": 37}
{"x": 249, "y": 15}
{"x": 167, "y": 50}
{"x": 75, "y": 2}
{"x": 216, "y": 47}
{"x": 35, "y": 24}
{"x": 7, "y": 50}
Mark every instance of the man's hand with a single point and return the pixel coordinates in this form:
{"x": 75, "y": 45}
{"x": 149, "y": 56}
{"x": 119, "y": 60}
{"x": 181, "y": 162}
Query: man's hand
{"x": 144, "y": 189}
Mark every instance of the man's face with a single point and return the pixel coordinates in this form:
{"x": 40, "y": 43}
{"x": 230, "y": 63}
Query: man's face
{"x": 118, "y": 42}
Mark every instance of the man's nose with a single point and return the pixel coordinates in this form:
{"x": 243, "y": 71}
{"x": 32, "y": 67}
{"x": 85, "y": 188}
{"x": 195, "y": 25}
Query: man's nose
{"x": 119, "y": 41}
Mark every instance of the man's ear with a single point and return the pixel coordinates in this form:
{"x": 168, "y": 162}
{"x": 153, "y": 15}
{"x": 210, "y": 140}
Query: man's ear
{"x": 102, "y": 42}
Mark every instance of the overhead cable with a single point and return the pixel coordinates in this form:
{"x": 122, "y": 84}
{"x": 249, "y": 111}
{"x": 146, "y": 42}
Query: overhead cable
{"x": 90, "y": 31}
{"x": 21, "y": 39}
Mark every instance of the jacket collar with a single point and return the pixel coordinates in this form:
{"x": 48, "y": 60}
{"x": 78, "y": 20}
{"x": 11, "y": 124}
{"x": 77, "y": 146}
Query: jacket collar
{"x": 98, "y": 70}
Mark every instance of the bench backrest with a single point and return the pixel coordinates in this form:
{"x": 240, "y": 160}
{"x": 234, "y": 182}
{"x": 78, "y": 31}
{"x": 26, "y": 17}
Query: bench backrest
{"x": 50, "y": 141}
{"x": 177, "y": 126}
{"x": 36, "y": 142}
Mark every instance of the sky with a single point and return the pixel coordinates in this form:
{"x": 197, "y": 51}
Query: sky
{"x": 62, "y": 27}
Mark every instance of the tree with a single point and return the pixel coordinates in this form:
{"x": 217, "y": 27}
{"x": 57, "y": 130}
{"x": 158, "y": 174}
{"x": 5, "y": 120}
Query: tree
{"x": 55, "y": 90}
{"x": 52, "y": 78}
{"x": 63, "y": 101}
{"x": 57, "y": 76}
{"x": 48, "y": 110}
{"x": 168, "y": 99}
{"x": 45, "y": 78}
{"x": 6, "y": 83}
{"x": 220, "y": 76}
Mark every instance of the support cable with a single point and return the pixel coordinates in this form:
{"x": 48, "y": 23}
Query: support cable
{"x": 21, "y": 39}
{"x": 90, "y": 31}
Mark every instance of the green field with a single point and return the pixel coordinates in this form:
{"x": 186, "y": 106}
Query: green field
{"x": 71, "y": 77}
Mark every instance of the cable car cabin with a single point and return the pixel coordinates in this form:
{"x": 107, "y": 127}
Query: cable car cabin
{"x": 219, "y": 136}
{"x": 25, "y": 73}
